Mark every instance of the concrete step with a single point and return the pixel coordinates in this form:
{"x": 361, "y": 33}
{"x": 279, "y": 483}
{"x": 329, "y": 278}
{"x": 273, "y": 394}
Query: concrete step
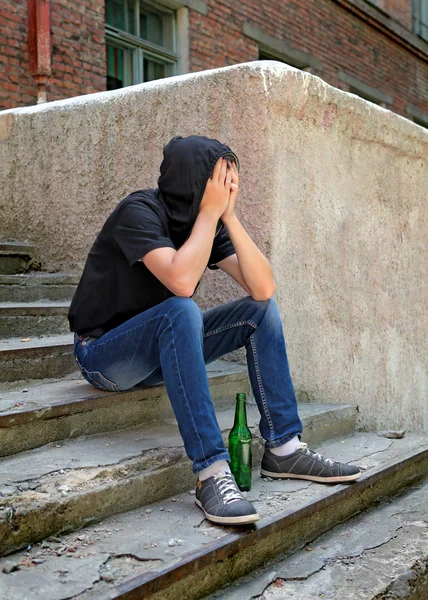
{"x": 38, "y": 358}
{"x": 105, "y": 474}
{"x": 382, "y": 553}
{"x": 16, "y": 257}
{"x": 26, "y": 319}
{"x": 70, "y": 407}
{"x": 35, "y": 286}
{"x": 169, "y": 551}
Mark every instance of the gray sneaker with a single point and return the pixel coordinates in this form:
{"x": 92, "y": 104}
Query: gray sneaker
{"x": 306, "y": 464}
{"x": 222, "y": 502}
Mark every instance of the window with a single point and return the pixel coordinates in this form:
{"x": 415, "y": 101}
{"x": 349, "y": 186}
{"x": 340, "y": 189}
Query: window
{"x": 141, "y": 42}
{"x": 420, "y": 18}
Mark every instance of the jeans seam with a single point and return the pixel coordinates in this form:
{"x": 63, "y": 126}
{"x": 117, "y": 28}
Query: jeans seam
{"x": 282, "y": 440}
{"x": 230, "y": 326}
{"x": 96, "y": 384}
{"x": 261, "y": 390}
{"x": 209, "y": 461}
{"x": 128, "y": 331}
{"x": 182, "y": 387}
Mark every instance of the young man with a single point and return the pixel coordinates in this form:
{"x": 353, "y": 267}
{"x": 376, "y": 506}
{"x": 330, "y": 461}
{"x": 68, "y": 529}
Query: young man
{"x": 136, "y": 324}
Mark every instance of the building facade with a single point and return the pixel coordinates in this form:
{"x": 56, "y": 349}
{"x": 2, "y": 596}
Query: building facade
{"x": 377, "y": 49}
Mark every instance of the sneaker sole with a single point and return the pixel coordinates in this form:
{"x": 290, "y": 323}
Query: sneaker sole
{"x": 342, "y": 479}
{"x": 244, "y": 520}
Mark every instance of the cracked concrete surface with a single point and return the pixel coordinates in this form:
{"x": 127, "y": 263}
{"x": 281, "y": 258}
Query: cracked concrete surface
{"x": 372, "y": 445}
{"x": 360, "y": 559}
{"x": 34, "y": 414}
{"x": 77, "y": 459}
{"x": 137, "y": 542}
{"x": 132, "y": 543}
{"x": 64, "y": 581}
{"x": 66, "y": 484}
{"x": 40, "y": 483}
{"x": 86, "y": 452}
{"x": 364, "y": 533}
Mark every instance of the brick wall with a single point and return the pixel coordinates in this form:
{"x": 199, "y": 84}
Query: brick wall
{"x": 323, "y": 28}
{"x": 78, "y": 52}
{"x": 16, "y": 88}
{"x": 326, "y": 29}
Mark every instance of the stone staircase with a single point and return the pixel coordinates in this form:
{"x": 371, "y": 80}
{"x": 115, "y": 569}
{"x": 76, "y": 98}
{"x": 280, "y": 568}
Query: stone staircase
{"x": 33, "y": 307}
{"x": 96, "y": 493}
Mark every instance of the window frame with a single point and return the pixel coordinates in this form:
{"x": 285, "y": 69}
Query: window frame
{"x": 420, "y": 26}
{"x": 142, "y": 48}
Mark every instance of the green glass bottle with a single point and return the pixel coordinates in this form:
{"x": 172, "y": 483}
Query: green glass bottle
{"x": 240, "y": 442}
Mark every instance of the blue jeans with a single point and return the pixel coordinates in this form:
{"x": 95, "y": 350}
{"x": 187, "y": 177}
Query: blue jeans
{"x": 173, "y": 341}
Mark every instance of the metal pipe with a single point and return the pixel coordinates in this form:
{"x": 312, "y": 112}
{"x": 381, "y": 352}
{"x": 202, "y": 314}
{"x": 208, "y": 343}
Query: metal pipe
{"x": 39, "y": 44}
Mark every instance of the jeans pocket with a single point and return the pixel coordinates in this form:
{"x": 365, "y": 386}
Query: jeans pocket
{"x": 95, "y": 378}
{"x": 98, "y": 380}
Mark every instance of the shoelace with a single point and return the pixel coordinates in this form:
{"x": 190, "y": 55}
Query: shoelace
{"x": 303, "y": 446}
{"x": 227, "y": 487}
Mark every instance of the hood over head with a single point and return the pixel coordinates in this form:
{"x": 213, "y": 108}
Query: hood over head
{"x": 184, "y": 172}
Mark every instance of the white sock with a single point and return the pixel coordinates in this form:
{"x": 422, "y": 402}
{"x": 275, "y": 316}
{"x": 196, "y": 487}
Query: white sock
{"x": 287, "y": 448}
{"x": 218, "y": 465}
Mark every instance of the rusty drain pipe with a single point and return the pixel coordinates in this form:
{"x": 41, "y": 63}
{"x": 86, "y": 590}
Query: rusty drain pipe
{"x": 39, "y": 44}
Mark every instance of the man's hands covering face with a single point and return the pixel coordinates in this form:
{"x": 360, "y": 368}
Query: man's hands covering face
{"x": 217, "y": 191}
{"x": 234, "y": 188}
{"x": 221, "y": 191}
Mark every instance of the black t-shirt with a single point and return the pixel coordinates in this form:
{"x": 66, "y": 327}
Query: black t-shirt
{"x": 115, "y": 284}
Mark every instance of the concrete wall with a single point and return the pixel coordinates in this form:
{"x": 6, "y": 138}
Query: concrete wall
{"x": 333, "y": 188}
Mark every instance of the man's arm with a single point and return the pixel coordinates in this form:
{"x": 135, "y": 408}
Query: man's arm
{"x": 249, "y": 267}
{"x": 180, "y": 270}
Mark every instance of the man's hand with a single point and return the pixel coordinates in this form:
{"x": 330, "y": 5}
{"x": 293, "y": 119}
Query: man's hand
{"x": 229, "y": 213}
{"x": 180, "y": 270}
{"x": 217, "y": 191}
{"x": 248, "y": 266}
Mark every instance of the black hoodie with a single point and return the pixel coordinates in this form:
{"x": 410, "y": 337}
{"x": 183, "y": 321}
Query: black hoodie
{"x": 115, "y": 284}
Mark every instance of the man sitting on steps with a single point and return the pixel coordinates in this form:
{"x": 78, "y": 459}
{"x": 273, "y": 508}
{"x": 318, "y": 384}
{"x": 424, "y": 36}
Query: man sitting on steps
{"x": 136, "y": 324}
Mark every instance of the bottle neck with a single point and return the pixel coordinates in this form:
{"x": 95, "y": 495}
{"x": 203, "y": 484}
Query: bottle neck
{"x": 240, "y": 413}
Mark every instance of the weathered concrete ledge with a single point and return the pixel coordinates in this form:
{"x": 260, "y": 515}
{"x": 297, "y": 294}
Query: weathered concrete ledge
{"x": 40, "y": 358}
{"x": 347, "y": 563}
{"x": 110, "y": 473}
{"x": 237, "y": 554}
{"x": 33, "y": 318}
{"x": 32, "y": 287}
{"x": 70, "y": 407}
{"x": 130, "y": 555}
{"x": 332, "y": 187}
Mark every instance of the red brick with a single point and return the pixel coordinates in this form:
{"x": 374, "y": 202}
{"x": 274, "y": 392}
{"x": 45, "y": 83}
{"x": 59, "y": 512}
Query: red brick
{"x": 67, "y": 20}
{"x": 323, "y": 28}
